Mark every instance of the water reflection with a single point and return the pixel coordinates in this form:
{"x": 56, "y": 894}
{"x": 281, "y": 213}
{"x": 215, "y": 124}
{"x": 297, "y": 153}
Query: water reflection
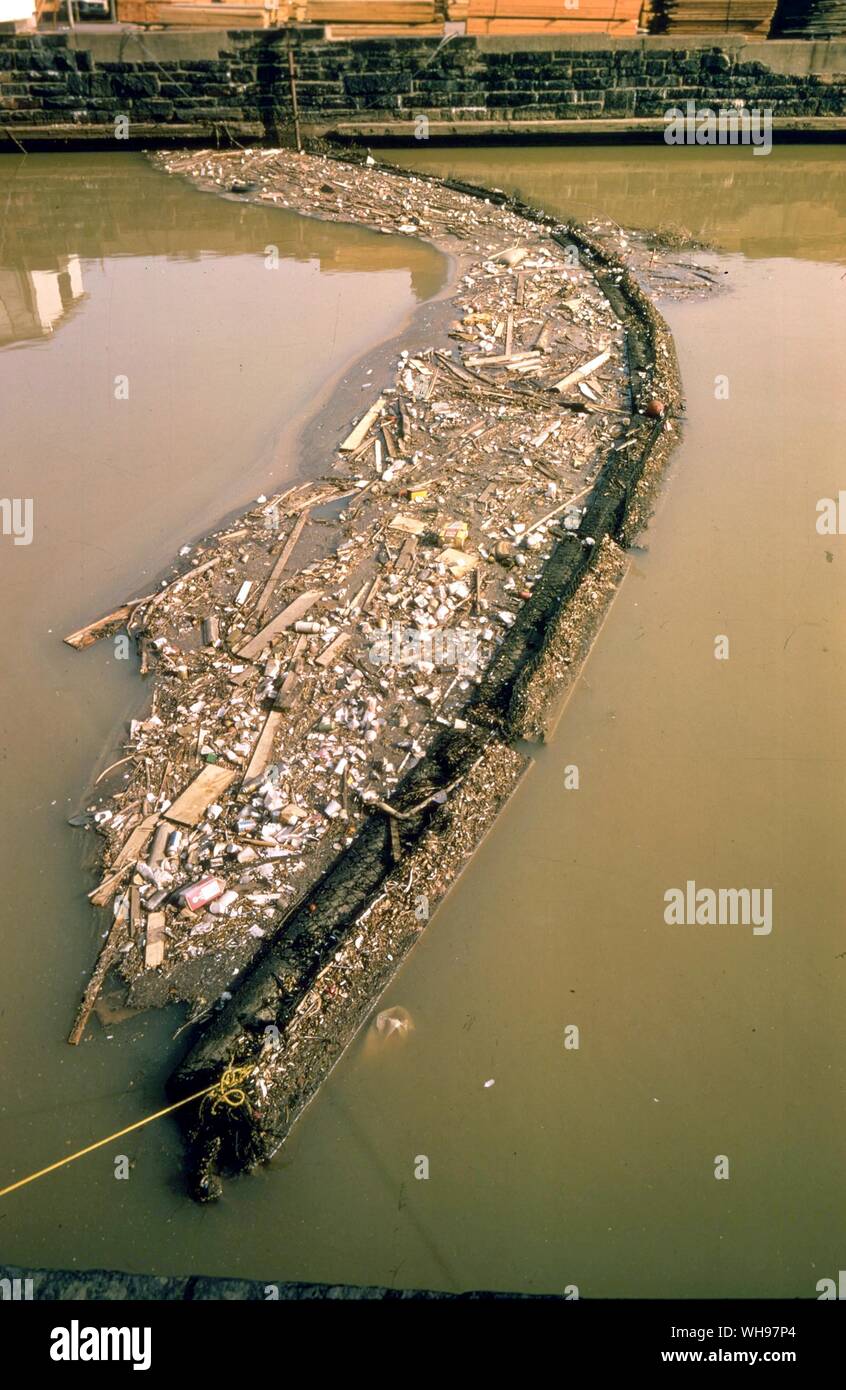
{"x": 793, "y": 203}
{"x": 62, "y": 210}
{"x": 34, "y": 302}
{"x": 111, "y": 271}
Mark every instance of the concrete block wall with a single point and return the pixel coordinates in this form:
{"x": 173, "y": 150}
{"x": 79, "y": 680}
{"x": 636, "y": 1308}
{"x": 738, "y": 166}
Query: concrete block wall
{"x": 238, "y": 82}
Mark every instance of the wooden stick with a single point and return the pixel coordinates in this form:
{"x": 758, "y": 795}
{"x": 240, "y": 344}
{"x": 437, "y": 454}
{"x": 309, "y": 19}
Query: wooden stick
{"x": 154, "y": 947}
{"x": 373, "y": 591}
{"x": 544, "y": 334}
{"x": 327, "y": 656}
{"x": 128, "y": 759}
{"x": 287, "y": 549}
{"x": 94, "y": 631}
{"x": 180, "y": 579}
{"x": 390, "y": 442}
{"x": 540, "y": 521}
{"x": 483, "y": 360}
{"x": 360, "y": 431}
{"x": 95, "y": 984}
{"x": 263, "y": 750}
{"x": 583, "y": 372}
{"x": 421, "y": 805}
{"x": 129, "y": 851}
{"x": 283, "y": 620}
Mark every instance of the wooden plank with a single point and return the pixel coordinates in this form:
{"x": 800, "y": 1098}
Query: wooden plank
{"x": 542, "y": 340}
{"x": 483, "y": 360}
{"x": 360, "y": 431}
{"x": 608, "y": 25}
{"x": 371, "y": 593}
{"x": 390, "y": 442}
{"x": 273, "y": 579}
{"x": 288, "y": 691}
{"x": 213, "y": 16}
{"x": 95, "y": 984}
{"x": 405, "y": 559}
{"x": 263, "y": 750}
{"x": 327, "y": 656}
{"x": 157, "y": 848}
{"x": 553, "y": 9}
{"x": 131, "y": 11}
{"x": 545, "y": 433}
{"x": 132, "y": 846}
{"x": 155, "y": 946}
{"x": 85, "y": 636}
{"x": 370, "y": 31}
{"x": 581, "y": 373}
{"x": 369, "y": 11}
{"x": 283, "y": 620}
{"x": 94, "y": 631}
{"x": 354, "y": 605}
{"x": 136, "y": 916}
{"x": 130, "y": 850}
{"x": 212, "y": 782}
{"x": 299, "y": 647}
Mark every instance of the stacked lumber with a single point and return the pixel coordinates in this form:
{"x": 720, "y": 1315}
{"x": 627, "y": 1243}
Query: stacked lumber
{"x": 750, "y": 17}
{"x": 378, "y": 31}
{"x": 213, "y": 16}
{"x": 344, "y": 18}
{"x": 201, "y": 14}
{"x": 363, "y": 19}
{"x": 548, "y": 16}
{"x": 131, "y": 12}
{"x": 810, "y": 19}
{"x": 369, "y": 12}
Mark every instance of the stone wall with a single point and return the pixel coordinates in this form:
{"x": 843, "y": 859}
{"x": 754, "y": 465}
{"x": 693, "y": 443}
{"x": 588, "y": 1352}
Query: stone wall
{"x": 221, "y": 85}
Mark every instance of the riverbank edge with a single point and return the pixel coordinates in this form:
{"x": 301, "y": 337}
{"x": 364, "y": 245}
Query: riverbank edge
{"x": 382, "y": 133}
{"x": 479, "y": 767}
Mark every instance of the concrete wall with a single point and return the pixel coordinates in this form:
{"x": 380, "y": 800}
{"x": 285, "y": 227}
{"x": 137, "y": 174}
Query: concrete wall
{"x": 218, "y": 83}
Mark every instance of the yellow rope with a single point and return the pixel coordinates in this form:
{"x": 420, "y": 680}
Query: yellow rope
{"x": 229, "y": 1091}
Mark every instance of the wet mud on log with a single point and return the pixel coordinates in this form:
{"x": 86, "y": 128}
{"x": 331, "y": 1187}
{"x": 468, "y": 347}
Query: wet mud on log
{"x": 536, "y": 332}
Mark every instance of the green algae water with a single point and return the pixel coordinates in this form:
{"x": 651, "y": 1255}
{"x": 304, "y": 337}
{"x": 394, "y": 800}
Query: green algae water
{"x": 699, "y": 1045}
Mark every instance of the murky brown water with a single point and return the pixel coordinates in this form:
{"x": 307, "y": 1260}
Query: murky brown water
{"x": 109, "y": 268}
{"x": 594, "y": 1166}
{"x": 789, "y": 203}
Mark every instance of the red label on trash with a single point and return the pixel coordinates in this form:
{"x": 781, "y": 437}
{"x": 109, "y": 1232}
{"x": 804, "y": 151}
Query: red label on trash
{"x": 199, "y": 894}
